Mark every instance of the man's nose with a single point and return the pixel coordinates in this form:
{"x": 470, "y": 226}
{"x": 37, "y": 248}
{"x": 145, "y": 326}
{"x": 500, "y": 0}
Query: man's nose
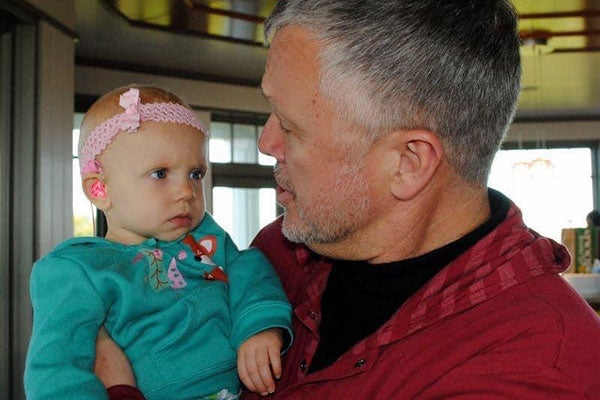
{"x": 270, "y": 141}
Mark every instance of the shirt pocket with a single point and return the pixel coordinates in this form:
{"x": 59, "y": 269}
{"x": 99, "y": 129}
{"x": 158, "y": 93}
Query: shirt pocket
{"x": 197, "y": 344}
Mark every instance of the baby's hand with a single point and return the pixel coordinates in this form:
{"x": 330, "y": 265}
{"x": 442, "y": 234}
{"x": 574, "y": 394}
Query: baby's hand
{"x": 259, "y": 359}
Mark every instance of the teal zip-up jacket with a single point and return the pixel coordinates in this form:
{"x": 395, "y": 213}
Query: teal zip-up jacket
{"x": 178, "y": 309}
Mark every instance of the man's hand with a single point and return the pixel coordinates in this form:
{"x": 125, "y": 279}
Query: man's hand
{"x": 259, "y": 359}
{"x": 112, "y": 365}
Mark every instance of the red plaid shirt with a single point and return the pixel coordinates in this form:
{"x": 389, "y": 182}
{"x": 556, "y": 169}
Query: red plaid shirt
{"x": 497, "y": 322}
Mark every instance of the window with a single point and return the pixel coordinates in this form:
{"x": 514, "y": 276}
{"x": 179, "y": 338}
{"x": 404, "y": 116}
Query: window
{"x": 552, "y": 187}
{"x": 83, "y": 210}
{"x": 236, "y": 143}
{"x": 242, "y": 211}
{"x": 243, "y": 194}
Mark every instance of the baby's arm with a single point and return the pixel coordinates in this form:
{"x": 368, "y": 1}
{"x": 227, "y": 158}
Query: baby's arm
{"x": 259, "y": 359}
{"x": 261, "y": 317}
{"x": 68, "y": 312}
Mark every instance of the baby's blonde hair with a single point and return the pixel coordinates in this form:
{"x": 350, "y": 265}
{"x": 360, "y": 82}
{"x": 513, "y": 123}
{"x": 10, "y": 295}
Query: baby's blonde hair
{"x": 108, "y": 106}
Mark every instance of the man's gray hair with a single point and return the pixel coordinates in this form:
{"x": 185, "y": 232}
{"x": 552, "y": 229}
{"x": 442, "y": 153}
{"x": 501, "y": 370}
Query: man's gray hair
{"x": 451, "y": 67}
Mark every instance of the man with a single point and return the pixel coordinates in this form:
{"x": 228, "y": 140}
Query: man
{"x": 412, "y": 280}
{"x": 408, "y": 277}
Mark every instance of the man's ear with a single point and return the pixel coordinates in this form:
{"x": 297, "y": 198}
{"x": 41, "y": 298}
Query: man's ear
{"x": 420, "y": 153}
{"x": 95, "y": 190}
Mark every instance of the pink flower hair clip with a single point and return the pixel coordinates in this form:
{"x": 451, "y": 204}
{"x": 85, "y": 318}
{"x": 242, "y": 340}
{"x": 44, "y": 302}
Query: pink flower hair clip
{"x": 130, "y": 101}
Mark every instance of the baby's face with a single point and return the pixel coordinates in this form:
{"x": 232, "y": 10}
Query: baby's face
{"x": 153, "y": 179}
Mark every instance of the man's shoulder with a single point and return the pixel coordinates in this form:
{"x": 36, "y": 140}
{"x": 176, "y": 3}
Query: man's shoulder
{"x": 576, "y": 319}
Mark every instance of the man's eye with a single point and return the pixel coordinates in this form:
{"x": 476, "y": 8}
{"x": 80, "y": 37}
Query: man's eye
{"x": 196, "y": 175}
{"x": 283, "y": 128}
{"x": 159, "y": 174}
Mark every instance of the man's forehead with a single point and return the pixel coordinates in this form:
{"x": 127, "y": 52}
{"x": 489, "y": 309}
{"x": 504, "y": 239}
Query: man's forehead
{"x": 293, "y": 54}
{"x": 293, "y": 43}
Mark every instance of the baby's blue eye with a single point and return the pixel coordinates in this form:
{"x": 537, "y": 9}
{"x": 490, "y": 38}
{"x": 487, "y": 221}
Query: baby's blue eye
{"x": 159, "y": 174}
{"x": 196, "y": 175}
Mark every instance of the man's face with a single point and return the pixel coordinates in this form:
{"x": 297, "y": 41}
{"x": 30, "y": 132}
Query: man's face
{"x": 323, "y": 186}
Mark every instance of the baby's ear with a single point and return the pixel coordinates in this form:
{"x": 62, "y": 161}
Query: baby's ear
{"x": 95, "y": 190}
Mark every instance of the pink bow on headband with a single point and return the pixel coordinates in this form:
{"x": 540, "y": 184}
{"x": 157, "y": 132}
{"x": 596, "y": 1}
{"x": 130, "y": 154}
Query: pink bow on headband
{"x": 130, "y": 101}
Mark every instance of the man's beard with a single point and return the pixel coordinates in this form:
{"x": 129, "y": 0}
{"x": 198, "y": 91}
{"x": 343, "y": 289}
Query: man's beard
{"x": 333, "y": 213}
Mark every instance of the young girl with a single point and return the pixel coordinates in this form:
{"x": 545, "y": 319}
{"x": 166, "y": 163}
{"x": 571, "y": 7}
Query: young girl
{"x": 167, "y": 282}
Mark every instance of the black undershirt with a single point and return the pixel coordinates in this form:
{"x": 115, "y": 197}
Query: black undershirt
{"x": 360, "y": 297}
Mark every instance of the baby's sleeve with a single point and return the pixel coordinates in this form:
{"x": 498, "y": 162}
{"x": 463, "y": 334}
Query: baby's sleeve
{"x": 257, "y": 300}
{"x": 67, "y": 313}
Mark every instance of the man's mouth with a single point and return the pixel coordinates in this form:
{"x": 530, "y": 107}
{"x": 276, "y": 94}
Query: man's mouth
{"x": 283, "y": 183}
{"x": 283, "y": 195}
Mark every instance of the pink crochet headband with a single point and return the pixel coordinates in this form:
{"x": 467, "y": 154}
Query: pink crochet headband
{"x": 130, "y": 121}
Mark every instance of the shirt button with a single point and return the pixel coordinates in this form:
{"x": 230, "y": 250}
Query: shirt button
{"x": 303, "y": 366}
{"x": 360, "y": 363}
{"x": 312, "y": 315}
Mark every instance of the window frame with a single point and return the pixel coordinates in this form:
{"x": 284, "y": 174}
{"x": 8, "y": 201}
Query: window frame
{"x": 242, "y": 175}
{"x": 593, "y": 145}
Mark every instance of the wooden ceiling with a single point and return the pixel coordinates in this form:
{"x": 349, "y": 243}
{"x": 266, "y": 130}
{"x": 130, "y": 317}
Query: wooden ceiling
{"x": 222, "y": 40}
{"x": 233, "y": 20}
{"x": 560, "y": 25}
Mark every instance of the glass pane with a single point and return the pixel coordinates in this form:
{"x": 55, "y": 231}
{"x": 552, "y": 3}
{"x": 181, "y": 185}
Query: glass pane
{"x": 243, "y": 212}
{"x": 220, "y": 142}
{"x": 77, "y": 118}
{"x": 552, "y": 187}
{"x": 264, "y": 159}
{"x": 244, "y": 144}
{"x": 83, "y": 210}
